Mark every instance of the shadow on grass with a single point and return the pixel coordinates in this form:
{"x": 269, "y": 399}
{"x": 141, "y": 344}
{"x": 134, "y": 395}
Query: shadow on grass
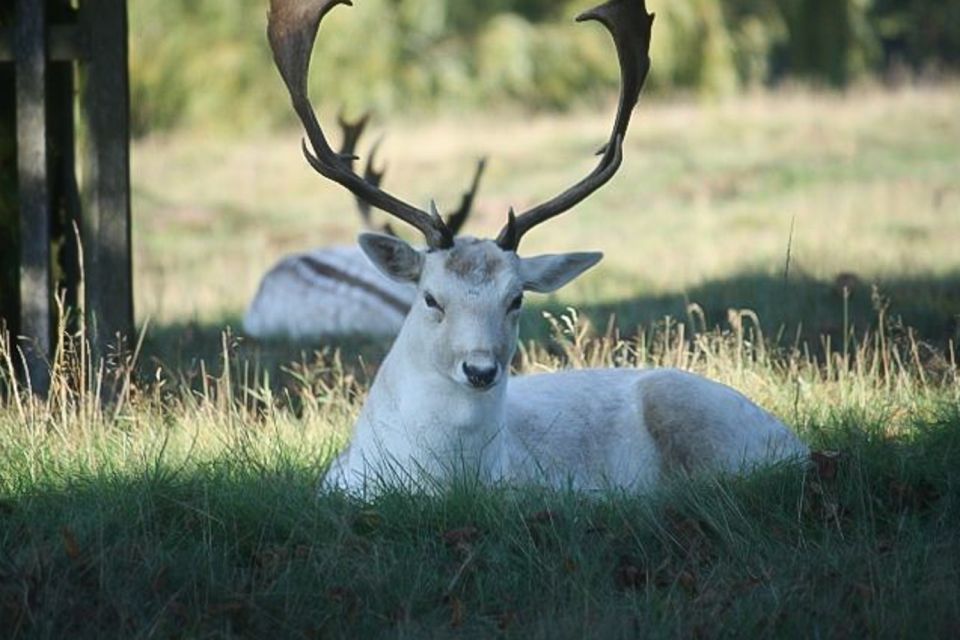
{"x": 237, "y": 547}
{"x": 797, "y": 309}
{"x": 792, "y": 312}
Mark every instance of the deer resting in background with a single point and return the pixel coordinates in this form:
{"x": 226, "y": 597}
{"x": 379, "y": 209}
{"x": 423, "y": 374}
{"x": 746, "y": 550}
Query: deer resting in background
{"x": 443, "y": 403}
{"x": 331, "y": 291}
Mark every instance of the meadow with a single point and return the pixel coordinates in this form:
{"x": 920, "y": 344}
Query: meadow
{"x": 799, "y": 246}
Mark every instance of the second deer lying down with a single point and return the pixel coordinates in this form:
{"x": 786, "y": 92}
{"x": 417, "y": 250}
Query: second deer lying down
{"x": 336, "y": 290}
{"x": 443, "y": 403}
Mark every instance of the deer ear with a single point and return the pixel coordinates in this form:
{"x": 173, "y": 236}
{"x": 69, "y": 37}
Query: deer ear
{"x": 392, "y": 256}
{"x": 547, "y": 273}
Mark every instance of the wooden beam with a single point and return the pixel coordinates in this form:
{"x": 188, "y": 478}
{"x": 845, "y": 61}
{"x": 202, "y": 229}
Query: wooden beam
{"x": 63, "y": 43}
{"x": 34, "y": 190}
{"x": 104, "y": 154}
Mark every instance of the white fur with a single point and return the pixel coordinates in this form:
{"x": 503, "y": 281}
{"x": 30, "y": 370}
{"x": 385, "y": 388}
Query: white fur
{"x": 423, "y": 422}
{"x": 294, "y": 302}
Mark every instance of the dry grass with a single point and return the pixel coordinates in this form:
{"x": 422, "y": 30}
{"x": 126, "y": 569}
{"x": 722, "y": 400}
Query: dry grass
{"x": 708, "y": 192}
{"x": 188, "y": 508}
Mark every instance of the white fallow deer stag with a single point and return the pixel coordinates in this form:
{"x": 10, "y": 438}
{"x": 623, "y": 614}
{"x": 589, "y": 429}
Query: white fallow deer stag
{"x": 443, "y": 403}
{"x": 336, "y": 290}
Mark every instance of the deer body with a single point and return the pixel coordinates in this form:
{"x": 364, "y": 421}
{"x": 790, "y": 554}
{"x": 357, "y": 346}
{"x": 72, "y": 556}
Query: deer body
{"x": 425, "y": 423}
{"x": 443, "y": 404}
{"x": 328, "y": 291}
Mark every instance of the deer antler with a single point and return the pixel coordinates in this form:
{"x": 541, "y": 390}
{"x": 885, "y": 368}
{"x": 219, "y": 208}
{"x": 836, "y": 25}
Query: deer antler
{"x": 456, "y": 219}
{"x": 292, "y": 29}
{"x": 630, "y": 25}
{"x": 352, "y": 131}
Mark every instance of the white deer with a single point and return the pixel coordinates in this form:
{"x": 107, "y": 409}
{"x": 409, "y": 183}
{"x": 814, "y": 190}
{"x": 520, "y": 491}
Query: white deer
{"x": 443, "y": 403}
{"x": 336, "y": 290}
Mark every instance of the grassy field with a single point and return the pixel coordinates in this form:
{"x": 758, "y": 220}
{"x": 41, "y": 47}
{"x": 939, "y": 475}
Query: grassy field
{"x": 187, "y": 507}
{"x": 762, "y": 203}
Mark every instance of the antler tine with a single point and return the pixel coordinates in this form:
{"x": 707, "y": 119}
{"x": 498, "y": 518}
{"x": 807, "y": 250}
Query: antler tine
{"x": 352, "y": 132}
{"x": 629, "y": 24}
{"x": 457, "y": 219}
{"x": 292, "y": 29}
{"x": 375, "y": 177}
{"x": 370, "y": 173}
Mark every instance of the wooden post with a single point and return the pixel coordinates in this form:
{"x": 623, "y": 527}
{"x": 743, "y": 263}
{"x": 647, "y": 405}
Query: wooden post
{"x": 104, "y": 154}
{"x": 91, "y": 40}
{"x": 64, "y": 195}
{"x": 34, "y": 192}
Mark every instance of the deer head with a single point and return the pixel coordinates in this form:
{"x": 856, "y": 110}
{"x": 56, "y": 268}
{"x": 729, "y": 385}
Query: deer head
{"x": 464, "y": 327}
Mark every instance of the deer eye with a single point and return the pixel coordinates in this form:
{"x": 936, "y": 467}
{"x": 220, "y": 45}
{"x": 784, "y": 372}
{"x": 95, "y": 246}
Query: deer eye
{"x": 515, "y": 304}
{"x": 431, "y": 302}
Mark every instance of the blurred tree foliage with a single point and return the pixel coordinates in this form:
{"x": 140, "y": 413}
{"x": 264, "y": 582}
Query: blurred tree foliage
{"x": 203, "y": 62}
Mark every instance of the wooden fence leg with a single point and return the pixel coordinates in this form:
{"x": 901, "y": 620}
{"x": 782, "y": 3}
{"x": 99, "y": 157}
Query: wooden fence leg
{"x": 105, "y": 160}
{"x": 34, "y": 190}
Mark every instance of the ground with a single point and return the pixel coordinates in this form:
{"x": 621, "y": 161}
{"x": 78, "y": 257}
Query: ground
{"x": 798, "y": 246}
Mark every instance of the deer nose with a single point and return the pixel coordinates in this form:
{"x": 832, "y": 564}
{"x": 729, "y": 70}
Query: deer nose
{"x": 480, "y": 377}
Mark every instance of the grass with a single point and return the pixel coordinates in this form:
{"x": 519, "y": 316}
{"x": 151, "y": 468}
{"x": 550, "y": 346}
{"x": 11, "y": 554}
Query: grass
{"x": 181, "y": 511}
{"x": 186, "y": 507}
{"x": 703, "y": 209}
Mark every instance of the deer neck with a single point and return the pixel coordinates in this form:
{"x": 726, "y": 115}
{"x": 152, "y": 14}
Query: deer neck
{"x": 414, "y": 413}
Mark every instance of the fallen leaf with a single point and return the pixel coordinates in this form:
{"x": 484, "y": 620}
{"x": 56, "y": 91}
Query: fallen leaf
{"x": 456, "y": 612}
{"x": 688, "y": 581}
{"x": 345, "y": 598}
{"x": 462, "y": 536}
{"x": 159, "y": 582}
{"x": 826, "y": 463}
{"x": 691, "y": 534}
{"x": 367, "y": 521}
{"x": 915, "y": 497}
{"x": 865, "y": 591}
{"x": 271, "y": 559}
{"x": 542, "y": 517}
{"x": 884, "y": 545}
{"x": 629, "y": 575}
{"x": 505, "y": 619}
{"x": 230, "y": 606}
{"x": 340, "y": 594}
{"x": 70, "y": 543}
{"x": 400, "y": 615}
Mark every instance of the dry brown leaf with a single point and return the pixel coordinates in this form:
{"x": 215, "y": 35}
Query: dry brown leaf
{"x": 542, "y": 517}
{"x": 826, "y": 463}
{"x": 865, "y": 591}
{"x": 916, "y": 497}
{"x": 301, "y": 551}
{"x": 70, "y": 543}
{"x": 159, "y": 582}
{"x": 367, "y": 521}
{"x": 462, "y": 536}
{"x": 688, "y": 581}
{"x": 505, "y": 619}
{"x": 628, "y": 575}
{"x": 457, "y": 611}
